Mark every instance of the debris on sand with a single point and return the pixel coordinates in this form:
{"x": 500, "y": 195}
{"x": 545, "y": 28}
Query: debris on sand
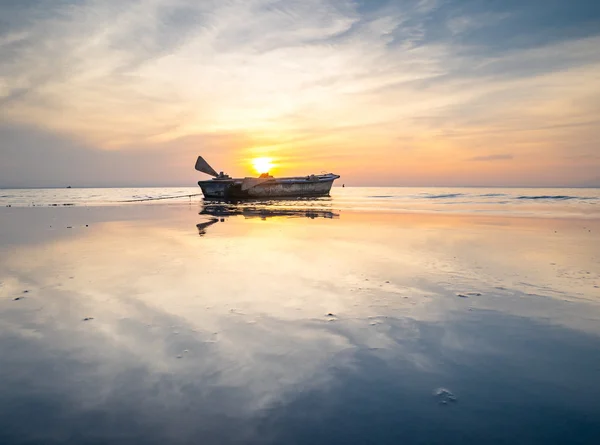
{"x": 18, "y": 298}
{"x": 88, "y": 318}
{"x": 444, "y": 396}
{"x": 462, "y": 295}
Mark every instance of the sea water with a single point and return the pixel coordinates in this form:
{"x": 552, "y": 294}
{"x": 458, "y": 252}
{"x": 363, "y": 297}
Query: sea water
{"x": 550, "y": 202}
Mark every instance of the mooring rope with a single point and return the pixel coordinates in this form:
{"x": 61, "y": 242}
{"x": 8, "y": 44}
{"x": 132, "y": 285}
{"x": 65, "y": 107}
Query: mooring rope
{"x": 162, "y": 197}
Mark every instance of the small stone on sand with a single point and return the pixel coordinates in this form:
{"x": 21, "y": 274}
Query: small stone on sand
{"x": 444, "y": 396}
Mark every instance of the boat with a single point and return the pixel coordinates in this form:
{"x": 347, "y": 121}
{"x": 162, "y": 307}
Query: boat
{"x": 222, "y": 186}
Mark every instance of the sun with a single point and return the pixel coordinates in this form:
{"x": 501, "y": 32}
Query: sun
{"x": 262, "y": 165}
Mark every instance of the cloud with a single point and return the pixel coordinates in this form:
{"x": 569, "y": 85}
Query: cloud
{"x": 492, "y": 157}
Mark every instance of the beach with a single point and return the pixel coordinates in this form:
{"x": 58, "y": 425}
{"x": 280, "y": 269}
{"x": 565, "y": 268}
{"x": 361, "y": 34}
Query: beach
{"x": 189, "y": 323}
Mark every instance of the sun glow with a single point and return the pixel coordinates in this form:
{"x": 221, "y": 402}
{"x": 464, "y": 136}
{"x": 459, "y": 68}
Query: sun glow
{"x": 262, "y": 165}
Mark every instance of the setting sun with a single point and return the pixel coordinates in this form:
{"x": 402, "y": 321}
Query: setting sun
{"x": 262, "y": 165}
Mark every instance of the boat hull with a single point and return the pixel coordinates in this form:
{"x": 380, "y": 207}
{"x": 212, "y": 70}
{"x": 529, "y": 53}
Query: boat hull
{"x": 276, "y": 188}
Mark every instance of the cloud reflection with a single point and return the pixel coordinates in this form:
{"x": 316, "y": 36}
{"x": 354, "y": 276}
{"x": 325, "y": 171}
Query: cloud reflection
{"x": 268, "y": 331}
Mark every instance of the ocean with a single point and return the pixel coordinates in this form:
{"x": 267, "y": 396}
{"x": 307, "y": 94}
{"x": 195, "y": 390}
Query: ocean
{"x": 548, "y": 202}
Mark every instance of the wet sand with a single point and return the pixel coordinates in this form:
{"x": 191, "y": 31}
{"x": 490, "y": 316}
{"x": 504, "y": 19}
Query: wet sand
{"x": 158, "y": 324}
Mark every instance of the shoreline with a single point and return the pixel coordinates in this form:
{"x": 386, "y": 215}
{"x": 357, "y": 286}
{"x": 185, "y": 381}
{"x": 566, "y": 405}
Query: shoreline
{"x": 477, "y": 214}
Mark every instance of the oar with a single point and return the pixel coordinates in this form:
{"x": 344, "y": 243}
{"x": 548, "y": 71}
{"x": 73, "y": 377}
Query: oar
{"x": 202, "y": 166}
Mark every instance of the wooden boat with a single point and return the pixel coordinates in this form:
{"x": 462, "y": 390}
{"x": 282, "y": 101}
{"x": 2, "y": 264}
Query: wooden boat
{"x": 222, "y": 186}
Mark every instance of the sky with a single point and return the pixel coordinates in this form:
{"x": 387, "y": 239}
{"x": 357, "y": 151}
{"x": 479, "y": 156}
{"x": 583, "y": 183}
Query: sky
{"x": 383, "y": 92}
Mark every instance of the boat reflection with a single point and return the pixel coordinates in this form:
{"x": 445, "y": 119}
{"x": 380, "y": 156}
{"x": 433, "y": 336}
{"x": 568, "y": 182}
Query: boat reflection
{"x": 271, "y": 201}
{"x": 203, "y": 225}
{"x": 219, "y": 212}
{"x": 264, "y": 213}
